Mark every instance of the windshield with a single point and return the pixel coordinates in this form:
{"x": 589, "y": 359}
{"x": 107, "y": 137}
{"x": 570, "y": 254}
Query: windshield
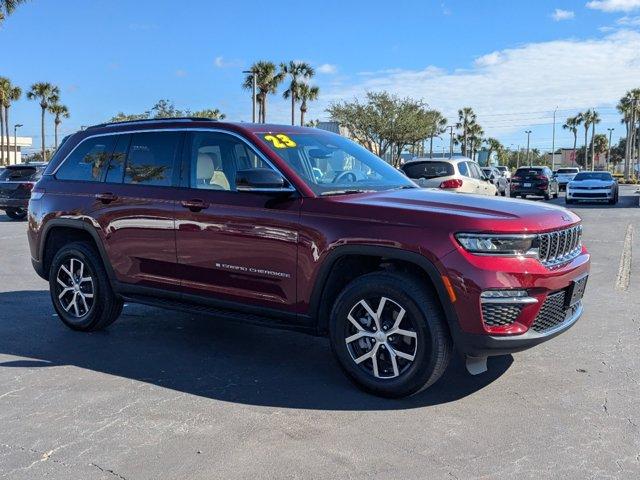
{"x": 331, "y": 164}
{"x": 593, "y": 176}
{"x": 427, "y": 169}
{"x": 567, "y": 170}
{"x": 502, "y": 169}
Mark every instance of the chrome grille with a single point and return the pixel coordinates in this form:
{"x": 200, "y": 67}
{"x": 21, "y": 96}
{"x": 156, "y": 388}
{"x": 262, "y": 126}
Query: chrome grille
{"x": 552, "y": 313}
{"x": 555, "y": 248}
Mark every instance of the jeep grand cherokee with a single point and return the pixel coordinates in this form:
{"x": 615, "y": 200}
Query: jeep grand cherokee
{"x": 301, "y": 228}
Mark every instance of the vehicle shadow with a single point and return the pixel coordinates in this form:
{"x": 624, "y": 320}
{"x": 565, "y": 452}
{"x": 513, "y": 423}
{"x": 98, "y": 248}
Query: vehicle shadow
{"x": 208, "y": 357}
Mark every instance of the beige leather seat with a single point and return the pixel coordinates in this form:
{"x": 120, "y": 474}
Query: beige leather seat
{"x": 209, "y": 172}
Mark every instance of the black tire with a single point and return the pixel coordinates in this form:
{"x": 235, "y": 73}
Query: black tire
{"x": 104, "y": 306}
{"x": 16, "y": 213}
{"x": 567, "y": 201}
{"x": 547, "y": 195}
{"x": 430, "y": 347}
{"x": 513, "y": 195}
{"x": 555, "y": 195}
{"x": 504, "y": 193}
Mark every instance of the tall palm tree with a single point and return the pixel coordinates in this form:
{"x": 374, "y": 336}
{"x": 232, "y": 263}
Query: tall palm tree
{"x": 59, "y": 112}
{"x": 475, "y": 134}
{"x": 625, "y": 107}
{"x": 572, "y": 124}
{"x": 585, "y": 118}
{"x": 439, "y": 126}
{"x": 306, "y": 93}
{"x": 47, "y": 94}
{"x": 466, "y": 118}
{"x": 4, "y": 87}
{"x": 268, "y": 79}
{"x": 595, "y": 119}
{"x": 493, "y": 145}
{"x": 298, "y": 73}
{"x": 11, "y": 95}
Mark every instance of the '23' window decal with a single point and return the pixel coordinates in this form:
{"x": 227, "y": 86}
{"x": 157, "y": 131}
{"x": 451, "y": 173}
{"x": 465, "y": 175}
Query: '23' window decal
{"x": 280, "y": 140}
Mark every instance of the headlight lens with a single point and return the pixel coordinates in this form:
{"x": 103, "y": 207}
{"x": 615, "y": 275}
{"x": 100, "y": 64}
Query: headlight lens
{"x": 491, "y": 244}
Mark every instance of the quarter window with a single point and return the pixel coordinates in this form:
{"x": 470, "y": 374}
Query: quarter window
{"x": 88, "y": 161}
{"x": 151, "y": 157}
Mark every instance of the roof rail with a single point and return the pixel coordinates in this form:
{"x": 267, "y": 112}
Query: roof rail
{"x": 152, "y": 120}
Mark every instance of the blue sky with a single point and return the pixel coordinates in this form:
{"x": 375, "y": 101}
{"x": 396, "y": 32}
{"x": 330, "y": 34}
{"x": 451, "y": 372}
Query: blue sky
{"x": 513, "y": 61}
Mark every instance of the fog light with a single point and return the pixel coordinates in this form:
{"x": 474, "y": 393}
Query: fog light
{"x": 503, "y": 293}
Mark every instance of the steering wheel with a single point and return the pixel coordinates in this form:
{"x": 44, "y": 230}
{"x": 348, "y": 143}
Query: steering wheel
{"x": 348, "y": 176}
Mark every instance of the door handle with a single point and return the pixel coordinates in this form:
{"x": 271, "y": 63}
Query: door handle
{"x": 107, "y": 197}
{"x": 195, "y": 205}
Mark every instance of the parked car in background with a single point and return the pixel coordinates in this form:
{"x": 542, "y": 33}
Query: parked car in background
{"x": 565, "y": 175}
{"x": 16, "y": 183}
{"x": 536, "y": 181}
{"x": 506, "y": 173}
{"x": 461, "y": 175}
{"x": 493, "y": 174}
{"x": 301, "y": 228}
{"x": 592, "y": 186}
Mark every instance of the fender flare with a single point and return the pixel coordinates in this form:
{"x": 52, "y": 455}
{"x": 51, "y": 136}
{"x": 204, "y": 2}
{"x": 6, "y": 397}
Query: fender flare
{"x": 391, "y": 253}
{"x": 77, "y": 224}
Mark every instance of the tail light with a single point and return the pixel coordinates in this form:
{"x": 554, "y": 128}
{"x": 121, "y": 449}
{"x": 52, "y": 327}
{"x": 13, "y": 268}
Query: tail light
{"x": 516, "y": 178}
{"x": 451, "y": 183}
{"x": 25, "y": 186}
{"x": 541, "y": 177}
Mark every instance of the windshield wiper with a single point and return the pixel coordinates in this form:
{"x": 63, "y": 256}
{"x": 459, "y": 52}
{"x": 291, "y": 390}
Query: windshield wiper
{"x": 345, "y": 192}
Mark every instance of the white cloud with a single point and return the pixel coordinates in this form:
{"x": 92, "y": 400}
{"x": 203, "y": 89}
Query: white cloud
{"x": 530, "y": 78}
{"x": 327, "y": 68}
{"x": 558, "y": 15}
{"x": 614, "y": 5}
{"x": 222, "y": 62}
{"x": 629, "y": 21}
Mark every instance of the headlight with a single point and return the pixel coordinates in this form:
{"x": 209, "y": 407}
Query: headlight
{"x": 496, "y": 244}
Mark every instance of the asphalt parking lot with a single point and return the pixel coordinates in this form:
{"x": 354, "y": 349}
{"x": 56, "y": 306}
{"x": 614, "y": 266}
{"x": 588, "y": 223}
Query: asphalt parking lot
{"x": 168, "y": 395}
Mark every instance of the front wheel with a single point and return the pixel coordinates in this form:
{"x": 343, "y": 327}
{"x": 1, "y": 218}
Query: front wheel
{"x": 16, "y": 213}
{"x": 389, "y": 334}
{"x": 80, "y": 289}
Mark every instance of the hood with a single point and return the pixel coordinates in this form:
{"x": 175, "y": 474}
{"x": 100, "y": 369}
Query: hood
{"x": 591, "y": 183}
{"x": 433, "y": 208}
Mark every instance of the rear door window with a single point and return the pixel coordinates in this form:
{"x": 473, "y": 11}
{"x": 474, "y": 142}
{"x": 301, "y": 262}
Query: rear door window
{"x": 22, "y": 174}
{"x": 88, "y": 161}
{"x": 428, "y": 169}
{"x": 115, "y": 171}
{"x": 463, "y": 167}
{"x": 151, "y": 158}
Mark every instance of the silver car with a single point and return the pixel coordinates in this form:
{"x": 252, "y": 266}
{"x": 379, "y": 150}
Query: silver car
{"x": 565, "y": 175}
{"x": 495, "y": 175}
{"x": 592, "y": 186}
{"x": 458, "y": 174}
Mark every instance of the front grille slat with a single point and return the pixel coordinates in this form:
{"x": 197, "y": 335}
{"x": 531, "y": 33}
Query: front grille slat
{"x": 552, "y": 313}
{"x": 498, "y": 315}
{"x": 561, "y": 246}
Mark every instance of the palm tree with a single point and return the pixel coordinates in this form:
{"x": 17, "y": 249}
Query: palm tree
{"x": 48, "y": 94}
{"x": 595, "y": 118}
{"x": 439, "y": 126}
{"x": 493, "y": 145}
{"x": 11, "y": 95}
{"x": 306, "y": 93}
{"x": 585, "y": 118}
{"x": 4, "y": 87}
{"x": 298, "y": 72}
{"x": 466, "y": 118}
{"x": 475, "y": 133}
{"x": 7, "y": 7}
{"x": 59, "y": 112}
{"x": 572, "y": 124}
{"x": 625, "y": 107}
{"x": 268, "y": 78}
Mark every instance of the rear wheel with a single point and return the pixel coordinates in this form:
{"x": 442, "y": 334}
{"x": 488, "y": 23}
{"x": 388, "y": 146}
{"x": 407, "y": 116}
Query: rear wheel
{"x": 80, "y": 289}
{"x": 16, "y": 213}
{"x": 547, "y": 194}
{"x": 389, "y": 334}
{"x": 568, "y": 201}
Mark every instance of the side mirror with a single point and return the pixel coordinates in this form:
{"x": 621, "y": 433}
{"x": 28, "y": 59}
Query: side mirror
{"x": 260, "y": 179}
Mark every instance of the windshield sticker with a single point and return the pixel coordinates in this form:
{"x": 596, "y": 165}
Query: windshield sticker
{"x": 280, "y": 140}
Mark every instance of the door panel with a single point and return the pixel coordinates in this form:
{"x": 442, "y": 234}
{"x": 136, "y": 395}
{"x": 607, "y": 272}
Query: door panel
{"x": 231, "y": 245}
{"x": 135, "y": 209}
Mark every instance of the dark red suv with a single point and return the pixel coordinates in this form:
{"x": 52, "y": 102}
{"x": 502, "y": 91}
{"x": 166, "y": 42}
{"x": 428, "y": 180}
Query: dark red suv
{"x": 301, "y": 228}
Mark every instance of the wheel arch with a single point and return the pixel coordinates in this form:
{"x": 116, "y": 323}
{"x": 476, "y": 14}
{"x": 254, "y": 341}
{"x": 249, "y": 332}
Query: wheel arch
{"x": 323, "y": 291}
{"x": 57, "y": 232}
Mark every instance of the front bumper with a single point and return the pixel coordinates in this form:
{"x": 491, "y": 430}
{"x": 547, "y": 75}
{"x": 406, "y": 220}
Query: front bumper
{"x": 590, "y": 195}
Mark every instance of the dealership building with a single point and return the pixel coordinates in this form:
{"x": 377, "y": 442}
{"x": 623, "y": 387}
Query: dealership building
{"x": 13, "y": 154}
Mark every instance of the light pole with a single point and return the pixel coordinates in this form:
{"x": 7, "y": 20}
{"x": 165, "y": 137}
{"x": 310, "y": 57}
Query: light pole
{"x": 553, "y": 141}
{"x": 609, "y": 149}
{"x": 528, "y": 132}
{"x": 253, "y": 96}
{"x": 15, "y": 142}
{"x": 450, "y": 127}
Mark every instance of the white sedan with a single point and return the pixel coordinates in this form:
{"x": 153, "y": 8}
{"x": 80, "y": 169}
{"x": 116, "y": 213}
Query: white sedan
{"x": 592, "y": 186}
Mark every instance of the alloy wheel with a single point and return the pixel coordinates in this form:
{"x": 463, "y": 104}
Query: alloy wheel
{"x": 381, "y": 337}
{"x": 75, "y": 288}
